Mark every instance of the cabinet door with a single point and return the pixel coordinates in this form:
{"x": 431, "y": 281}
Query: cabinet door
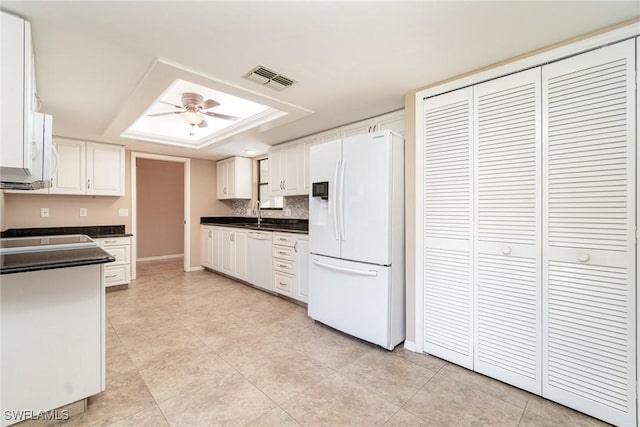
{"x": 230, "y": 177}
{"x": 105, "y": 169}
{"x": 290, "y": 170}
{"x": 303, "y": 170}
{"x": 507, "y": 146}
{"x": 15, "y": 132}
{"x": 240, "y": 254}
{"x": 276, "y": 158}
{"x": 221, "y": 179}
{"x": 392, "y": 121}
{"x": 357, "y": 128}
{"x": 205, "y": 246}
{"x": 302, "y": 269}
{"x": 448, "y": 290}
{"x": 215, "y": 245}
{"x": 227, "y": 266}
{"x": 70, "y": 177}
{"x": 589, "y": 291}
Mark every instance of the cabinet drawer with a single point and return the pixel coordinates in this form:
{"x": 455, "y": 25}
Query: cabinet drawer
{"x": 284, "y": 252}
{"x": 283, "y": 283}
{"x": 111, "y": 241}
{"x": 120, "y": 253}
{"x": 116, "y": 275}
{"x": 283, "y": 239}
{"x": 284, "y": 266}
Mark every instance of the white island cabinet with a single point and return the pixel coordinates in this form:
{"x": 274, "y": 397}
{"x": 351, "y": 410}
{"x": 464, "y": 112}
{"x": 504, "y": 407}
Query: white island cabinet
{"x": 52, "y": 339}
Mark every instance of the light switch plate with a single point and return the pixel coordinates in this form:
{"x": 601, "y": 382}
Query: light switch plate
{"x": 83, "y": 211}
{"x": 123, "y": 212}
{"x": 44, "y": 212}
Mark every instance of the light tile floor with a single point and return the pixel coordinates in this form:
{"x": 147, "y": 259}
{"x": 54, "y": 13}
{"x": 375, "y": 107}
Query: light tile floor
{"x": 198, "y": 349}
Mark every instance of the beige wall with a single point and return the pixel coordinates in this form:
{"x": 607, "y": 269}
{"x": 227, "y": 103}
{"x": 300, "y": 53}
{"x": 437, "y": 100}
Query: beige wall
{"x": 160, "y": 208}
{"x": 23, "y": 210}
{"x": 203, "y": 201}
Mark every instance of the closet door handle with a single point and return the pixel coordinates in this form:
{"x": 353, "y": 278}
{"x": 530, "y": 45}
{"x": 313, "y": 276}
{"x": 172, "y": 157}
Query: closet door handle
{"x": 583, "y": 257}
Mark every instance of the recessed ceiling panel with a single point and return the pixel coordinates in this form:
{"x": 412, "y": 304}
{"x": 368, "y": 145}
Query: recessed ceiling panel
{"x": 165, "y": 122}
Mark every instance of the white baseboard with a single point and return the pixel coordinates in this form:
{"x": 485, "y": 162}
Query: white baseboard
{"x": 161, "y": 257}
{"x": 197, "y": 268}
{"x": 411, "y": 346}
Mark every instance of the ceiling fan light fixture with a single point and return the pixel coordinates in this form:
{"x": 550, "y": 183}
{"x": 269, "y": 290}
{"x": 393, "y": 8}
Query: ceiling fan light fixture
{"x": 192, "y": 117}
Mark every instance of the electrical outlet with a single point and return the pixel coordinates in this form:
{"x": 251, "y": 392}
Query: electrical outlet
{"x": 287, "y": 212}
{"x": 248, "y": 212}
{"x": 123, "y": 212}
{"x": 83, "y": 211}
{"x": 44, "y": 212}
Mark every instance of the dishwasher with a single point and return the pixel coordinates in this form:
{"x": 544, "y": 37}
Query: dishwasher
{"x": 259, "y": 247}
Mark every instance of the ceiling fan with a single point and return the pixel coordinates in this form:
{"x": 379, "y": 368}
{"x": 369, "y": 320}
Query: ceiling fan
{"x": 193, "y": 111}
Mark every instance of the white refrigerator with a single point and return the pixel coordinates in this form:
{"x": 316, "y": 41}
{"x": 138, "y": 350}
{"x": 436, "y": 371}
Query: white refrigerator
{"x": 356, "y": 237}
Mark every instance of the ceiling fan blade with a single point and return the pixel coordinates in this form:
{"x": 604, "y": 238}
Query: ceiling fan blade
{"x": 164, "y": 114}
{"x": 209, "y": 103}
{"x": 172, "y": 104}
{"x": 220, "y": 116}
{"x": 203, "y": 124}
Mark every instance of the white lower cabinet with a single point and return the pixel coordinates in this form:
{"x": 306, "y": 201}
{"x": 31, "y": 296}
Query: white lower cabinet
{"x": 117, "y": 272}
{"x": 290, "y": 270}
{"x": 529, "y": 230}
{"x": 225, "y": 249}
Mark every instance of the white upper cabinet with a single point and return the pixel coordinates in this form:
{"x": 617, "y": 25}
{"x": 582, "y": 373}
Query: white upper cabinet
{"x": 393, "y": 121}
{"x": 105, "y": 169}
{"x": 289, "y": 162}
{"x": 88, "y": 168}
{"x": 16, "y": 102}
{"x": 234, "y": 178}
{"x": 284, "y": 164}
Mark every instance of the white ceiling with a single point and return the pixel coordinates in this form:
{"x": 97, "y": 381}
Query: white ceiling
{"x": 353, "y": 60}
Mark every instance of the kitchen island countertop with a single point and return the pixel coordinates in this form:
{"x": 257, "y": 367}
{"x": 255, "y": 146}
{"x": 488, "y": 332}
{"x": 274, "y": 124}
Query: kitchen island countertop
{"x": 34, "y": 261}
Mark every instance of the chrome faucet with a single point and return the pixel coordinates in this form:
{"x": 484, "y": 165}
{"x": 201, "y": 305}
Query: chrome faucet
{"x": 256, "y": 207}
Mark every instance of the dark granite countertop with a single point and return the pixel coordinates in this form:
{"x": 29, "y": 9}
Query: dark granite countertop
{"x": 93, "y": 231}
{"x": 34, "y": 261}
{"x": 284, "y": 225}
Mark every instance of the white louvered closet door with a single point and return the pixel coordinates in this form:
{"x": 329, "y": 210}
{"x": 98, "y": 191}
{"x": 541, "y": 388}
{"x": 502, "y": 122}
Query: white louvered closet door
{"x": 589, "y": 237}
{"x": 507, "y": 145}
{"x": 448, "y": 292}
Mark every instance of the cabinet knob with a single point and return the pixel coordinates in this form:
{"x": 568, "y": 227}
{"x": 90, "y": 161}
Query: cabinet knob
{"x": 506, "y": 250}
{"x": 583, "y": 257}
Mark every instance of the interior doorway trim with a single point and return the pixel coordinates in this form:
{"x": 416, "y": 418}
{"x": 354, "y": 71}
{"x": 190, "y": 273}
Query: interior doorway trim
{"x": 134, "y": 206}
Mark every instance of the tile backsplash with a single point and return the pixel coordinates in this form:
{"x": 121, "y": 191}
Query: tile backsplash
{"x": 299, "y": 206}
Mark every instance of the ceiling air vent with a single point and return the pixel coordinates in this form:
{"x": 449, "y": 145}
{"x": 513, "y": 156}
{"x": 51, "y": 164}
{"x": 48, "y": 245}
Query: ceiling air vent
{"x": 269, "y": 78}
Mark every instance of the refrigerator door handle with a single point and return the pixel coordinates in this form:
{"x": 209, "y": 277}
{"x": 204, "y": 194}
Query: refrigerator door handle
{"x": 334, "y": 199}
{"x": 342, "y": 226}
{"x": 371, "y": 273}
